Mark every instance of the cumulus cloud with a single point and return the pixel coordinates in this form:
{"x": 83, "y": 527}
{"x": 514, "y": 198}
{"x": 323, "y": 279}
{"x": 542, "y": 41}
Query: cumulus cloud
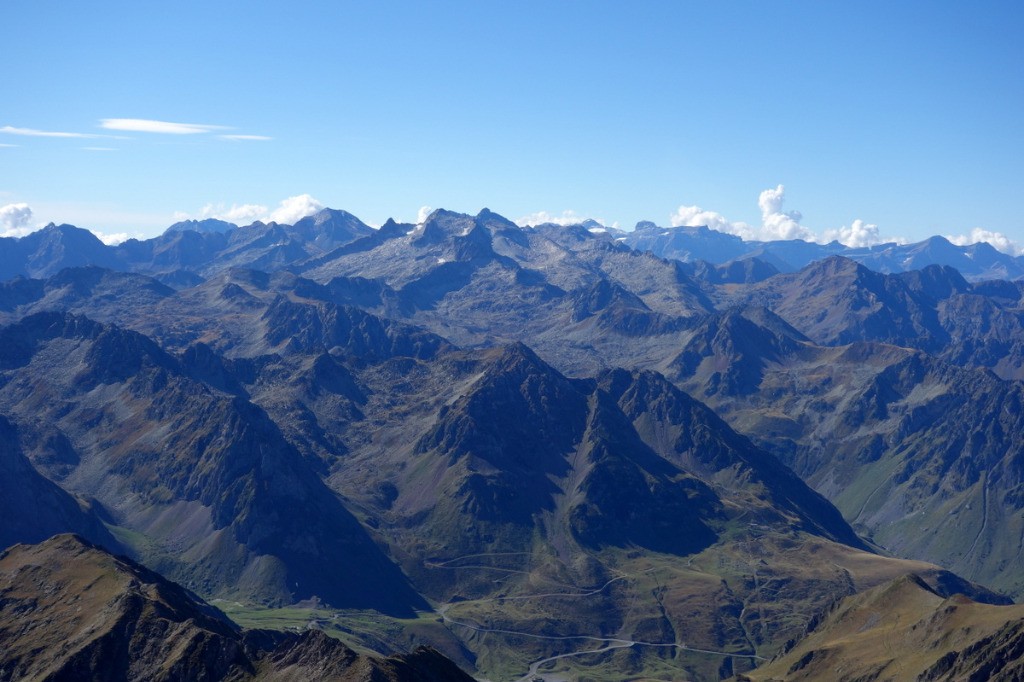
{"x": 858, "y": 235}
{"x": 111, "y": 239}
{"x": 775, "y": 223}
{"x": 296, "y": 208}
{"x": 997, "y": 239}
{"x": 15, "y": 219}
{"x": 32, "y": 132}
{"x": 695, "y": 216}
{"x": 565, "y": 218}
{"x": 421, "y": 215}
{"x": 778, "y": 224}
{"x": 238, "y": 214}
{"x": 288, "y": 212}
{"x": 142, "y": 125}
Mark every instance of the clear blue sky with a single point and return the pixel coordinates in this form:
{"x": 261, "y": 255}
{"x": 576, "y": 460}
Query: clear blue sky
{"x": 906, "y": 115}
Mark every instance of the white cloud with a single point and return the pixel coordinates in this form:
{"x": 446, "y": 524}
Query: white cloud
{"x": 288, "y": 212}
{"x": 997, "y": 239}
{"x": 240, "y": 215}
{"x": 695, "y": 216}
{"x": 296, "y": 208}
{"x": 421, "y": 215}
{"x": 777, "y": 224}
{"x": 858, "y": 235}
{"x": 565, "y": 218}
{"x": 32, "y": 132}
{"x": 7, "y": 145}
{"x": 242, "y": 138}
{"x": 99, "y": 149}
{"x": 111, "y": 239}
{"x": 141, "y": 125}
{"x": 14, "y": 220}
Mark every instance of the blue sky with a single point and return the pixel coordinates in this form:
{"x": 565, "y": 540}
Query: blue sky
{"x": 907, "y": 117}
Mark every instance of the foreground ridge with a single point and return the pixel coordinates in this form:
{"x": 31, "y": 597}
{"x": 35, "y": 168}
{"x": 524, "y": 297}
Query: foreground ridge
{"x": 904, "y": 631}
{"x": 70, "y": 610}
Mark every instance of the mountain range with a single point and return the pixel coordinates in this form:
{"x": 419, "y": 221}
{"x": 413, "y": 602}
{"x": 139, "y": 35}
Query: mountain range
{"x": 198, "y": 246}
{"x": 529, "y": 448}
{"x": 980, "y": 261}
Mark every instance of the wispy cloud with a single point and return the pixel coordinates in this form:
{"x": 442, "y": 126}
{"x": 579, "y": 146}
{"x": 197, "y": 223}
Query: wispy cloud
{"x": 137, "y": 125}
{"x": 99, "y": 149}
{"x": 423, "y": 213}
{"x": 142, "y": 125}
{"x": 32, "y": 132}
{"x": 242, "y": 138}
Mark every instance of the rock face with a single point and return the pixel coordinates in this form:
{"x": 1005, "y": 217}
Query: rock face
{"x": 904, "y": 631}
{"x": 71, "y": 611}
{"x": 999, "y": 656}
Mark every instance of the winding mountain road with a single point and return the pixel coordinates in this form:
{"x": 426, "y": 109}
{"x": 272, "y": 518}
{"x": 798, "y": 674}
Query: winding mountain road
{"x": 606, "y": 643}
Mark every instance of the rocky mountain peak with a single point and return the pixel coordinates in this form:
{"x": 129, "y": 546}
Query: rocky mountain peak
{"x": 207, "y": 225}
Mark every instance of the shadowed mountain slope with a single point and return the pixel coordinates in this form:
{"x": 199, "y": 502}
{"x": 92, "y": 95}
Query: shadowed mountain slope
{"x": 699, "y": 441}
{"x": 32, "y": 507}
{"x": 229, "y": 505}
